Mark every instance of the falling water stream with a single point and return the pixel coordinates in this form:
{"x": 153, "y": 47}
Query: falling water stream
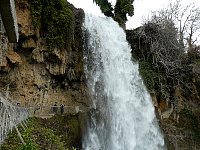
{"x": 122, "y": 115}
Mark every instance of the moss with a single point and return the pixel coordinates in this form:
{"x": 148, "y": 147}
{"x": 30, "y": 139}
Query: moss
{"x": 36, "y": 10}
{"x": 148, "y": 74}
{"x": 66, "y": 126}
{"x": 55, "y": 20}
{"x": 189, "y": 121}
{"x": 14, "y": 143}
{"x": 29, "y": 146}
{"x": 74, "y": 130}
{"x": 154, "y": 80}
{"x": 56, "y": 133}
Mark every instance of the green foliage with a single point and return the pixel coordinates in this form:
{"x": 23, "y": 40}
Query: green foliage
{"x": 14, "y": 143}
{"x": 68, "y": 127}
{"x": 105, "y": 6}
{"x": 148, "y": 74}
{"x": 51, "y": 134}
{"x": 122, "y": 8}
{"x": 159, "y": 59}
{"x": 190, "y": 121}
{"x": 153, "y": 79}
{"x": 55, "y": 20}
{"x": 72, "y": 148}
{"x": 29, "y": 146}
{"x": 50, "y": 139}
{"x": 36, "y": 10}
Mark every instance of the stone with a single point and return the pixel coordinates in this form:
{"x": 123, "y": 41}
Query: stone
{"x": 29, "y": 43}
{"x": 13, "y": 57}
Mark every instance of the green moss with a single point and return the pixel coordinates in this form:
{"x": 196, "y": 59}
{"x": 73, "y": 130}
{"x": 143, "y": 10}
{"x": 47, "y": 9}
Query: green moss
{"x": 148, "y": 74}
{"x": 56, "y": 133}
{"x": 189, "y": 121}
{"x": 74, "y": 131}
{"x": 13, "y": 142}
{"x": 36, "y": 10}
{"x": 68, "y": 127}
{"x": 29, "y": 146}
{"x": 55, "y": 20}
{"x": 153, "y": 79}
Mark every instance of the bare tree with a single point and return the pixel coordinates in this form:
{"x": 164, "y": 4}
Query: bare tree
{"x": 165, "y": 48}
{"x": 185, "y": 17}
{"x": 168, "y": 32}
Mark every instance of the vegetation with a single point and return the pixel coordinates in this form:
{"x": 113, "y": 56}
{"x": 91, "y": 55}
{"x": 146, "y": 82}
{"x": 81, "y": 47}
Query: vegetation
{"x": 163, "y": 64}
{"x": 158, "y": 57}
{"x": 169, "y": 63}
{"x": 55, "y": 21}
{"x": 186, "y": 17}
{"x": 150, "y": 76}
{"x": 154, "y": 80}
{"x": 58, "y": 132}
{"x": 106, "y": 7}
{"x": 189, "y": 121}
{"x": 121, "y": 9}
{"x": 173, "y": 76}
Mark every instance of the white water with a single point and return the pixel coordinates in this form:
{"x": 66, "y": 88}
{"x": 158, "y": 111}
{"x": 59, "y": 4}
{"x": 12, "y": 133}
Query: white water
{"x": 122, "y": 115}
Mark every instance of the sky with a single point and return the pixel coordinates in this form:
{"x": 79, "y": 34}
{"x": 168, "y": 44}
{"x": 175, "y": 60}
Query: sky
{"x": 142, "y": 8}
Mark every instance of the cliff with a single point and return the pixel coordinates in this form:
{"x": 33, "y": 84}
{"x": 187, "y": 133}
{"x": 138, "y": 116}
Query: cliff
{"x": 38, "y": 74}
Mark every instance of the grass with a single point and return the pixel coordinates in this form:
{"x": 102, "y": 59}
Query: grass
{"x": 56, "y": 133}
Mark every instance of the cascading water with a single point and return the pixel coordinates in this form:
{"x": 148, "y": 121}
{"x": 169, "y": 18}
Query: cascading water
{"x": 122, "y": 114}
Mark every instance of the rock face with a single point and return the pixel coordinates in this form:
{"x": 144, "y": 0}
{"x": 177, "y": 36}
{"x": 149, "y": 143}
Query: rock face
{"x": 35, "y": 76}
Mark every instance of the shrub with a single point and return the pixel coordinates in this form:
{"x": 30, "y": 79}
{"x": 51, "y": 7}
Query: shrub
{"x": 55, "y": 20}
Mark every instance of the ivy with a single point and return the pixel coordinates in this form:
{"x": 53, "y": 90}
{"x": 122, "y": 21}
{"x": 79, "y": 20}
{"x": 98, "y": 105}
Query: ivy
{"x": 55, "y": 20}
{"x": 36, "y": 9}
{"x": 148, "y": 74}
{"x": 153, "y": 79}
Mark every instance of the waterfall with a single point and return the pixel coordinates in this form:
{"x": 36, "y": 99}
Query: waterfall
{"x": 122, "y": 115}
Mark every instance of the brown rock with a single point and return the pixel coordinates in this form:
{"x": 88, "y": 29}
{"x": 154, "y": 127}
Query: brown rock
{"x": 24, "y": 17}
{"x": 13, "y": 57}
{"x": 43, "y": 76}
{"x": 29, "y": 43}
